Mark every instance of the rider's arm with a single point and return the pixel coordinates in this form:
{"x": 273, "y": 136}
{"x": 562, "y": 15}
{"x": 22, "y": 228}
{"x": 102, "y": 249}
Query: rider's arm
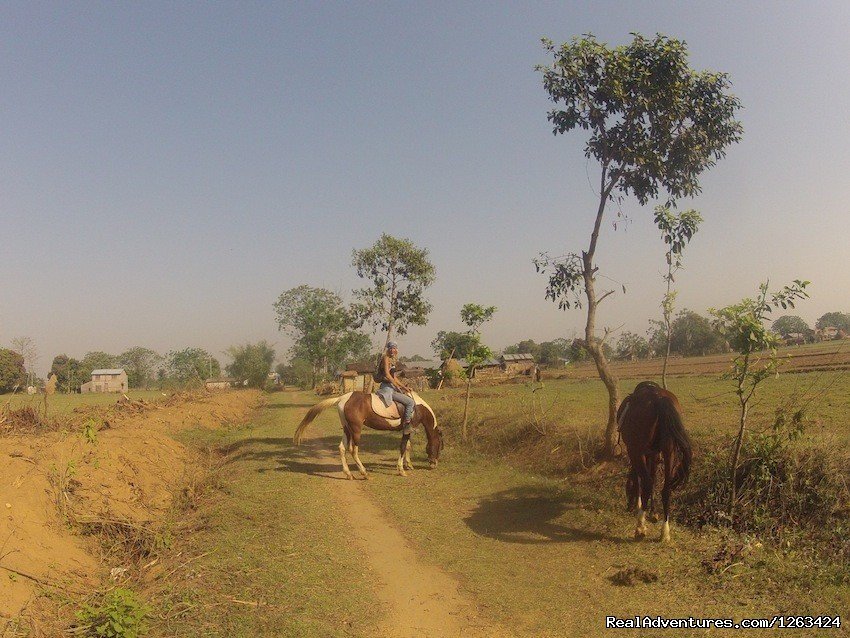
{"x": 388, "y": 375}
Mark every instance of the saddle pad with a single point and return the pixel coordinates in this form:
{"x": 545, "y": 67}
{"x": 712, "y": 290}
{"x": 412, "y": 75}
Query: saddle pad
{"x": 381, "y": 410}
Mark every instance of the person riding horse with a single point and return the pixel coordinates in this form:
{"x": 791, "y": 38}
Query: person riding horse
{"x": 393, "y": 389}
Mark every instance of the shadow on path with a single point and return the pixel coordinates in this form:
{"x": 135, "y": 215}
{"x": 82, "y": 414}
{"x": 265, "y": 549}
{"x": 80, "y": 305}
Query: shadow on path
{"x": 532, "y": 516}
{"x": 315, "y": 457}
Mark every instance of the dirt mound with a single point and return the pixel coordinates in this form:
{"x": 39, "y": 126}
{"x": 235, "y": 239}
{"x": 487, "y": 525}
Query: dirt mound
{"x": 115, "y": 466}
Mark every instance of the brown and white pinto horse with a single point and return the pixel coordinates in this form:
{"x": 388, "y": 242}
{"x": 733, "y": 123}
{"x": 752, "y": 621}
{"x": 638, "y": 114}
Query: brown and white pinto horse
{"x": 650, "y": 420}
{"x": 358, "y": 410}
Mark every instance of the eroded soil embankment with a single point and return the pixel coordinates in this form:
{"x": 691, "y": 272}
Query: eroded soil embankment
{"x": 108, "y": 464}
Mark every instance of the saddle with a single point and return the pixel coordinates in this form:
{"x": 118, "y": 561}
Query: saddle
{"x": 394, "y": 411}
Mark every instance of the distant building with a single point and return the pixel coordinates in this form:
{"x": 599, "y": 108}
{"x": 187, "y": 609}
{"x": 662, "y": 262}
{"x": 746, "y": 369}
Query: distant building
{"x": 518, "y": 364}
{"x": 357, "y": 377}
{"x": 106, "y": 380}
{"x": 222, "y": 383}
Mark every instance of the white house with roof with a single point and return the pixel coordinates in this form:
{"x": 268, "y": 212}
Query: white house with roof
{"x": 106, "y": 380}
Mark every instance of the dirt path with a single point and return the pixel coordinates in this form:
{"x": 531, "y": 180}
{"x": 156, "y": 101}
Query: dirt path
{"x": 422, "y": 600}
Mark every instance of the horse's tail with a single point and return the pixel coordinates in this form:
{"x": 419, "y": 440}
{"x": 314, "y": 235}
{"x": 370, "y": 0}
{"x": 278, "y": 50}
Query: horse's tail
{"x": 670, "y": 426}
{"x": 310, "y": 416}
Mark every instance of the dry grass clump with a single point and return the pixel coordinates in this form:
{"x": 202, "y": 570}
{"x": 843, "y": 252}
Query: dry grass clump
{"x": 27, "y": 420}
{"x": 631, "y": 576}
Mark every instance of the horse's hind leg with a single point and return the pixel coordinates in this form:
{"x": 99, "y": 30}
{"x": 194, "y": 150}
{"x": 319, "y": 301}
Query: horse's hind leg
{"x": 645, "y": 487}
{"x": 343, "y": 445}
{"x": 665, "y": 497}
{"x": 652, "y": 464}
{"x": 355, "y": 452}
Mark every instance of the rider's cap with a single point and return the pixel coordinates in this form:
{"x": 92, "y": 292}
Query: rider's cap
{"x": 391, "y": 345}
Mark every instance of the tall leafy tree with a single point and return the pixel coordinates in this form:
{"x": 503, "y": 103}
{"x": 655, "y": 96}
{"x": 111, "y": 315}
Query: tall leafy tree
{"x": 676, "y": 232}
{"x": 67, "y": 371}
{"x": 654, "y": 126}
{"x": 12, "y": 370}
{"x": 453, "y": 344}
{"x": 632, "y": 346}
{"x": 840, "y": 320}
{"x": 191, "y": 365}
{"x": 787, "y": 325}
{"x": 399, "y": 273}
{"x": 140, "y": 364}
{"x": 321, "y": 327}
{"x": 252, "y": 362}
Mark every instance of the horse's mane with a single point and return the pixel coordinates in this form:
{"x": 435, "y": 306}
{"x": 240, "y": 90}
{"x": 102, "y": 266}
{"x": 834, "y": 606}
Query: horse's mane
{"x": 420, "y": 401}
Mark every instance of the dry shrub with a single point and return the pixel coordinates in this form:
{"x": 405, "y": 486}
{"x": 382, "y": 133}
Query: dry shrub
{"x": 327, "y": 388}
{"x": 786, "y": 489}
{"x": 131, "y": 540}
{"x": 28, "y": 420}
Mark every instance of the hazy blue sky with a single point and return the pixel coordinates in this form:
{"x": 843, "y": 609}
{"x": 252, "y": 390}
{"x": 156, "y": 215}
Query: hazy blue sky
{"x": 168, "y": 169}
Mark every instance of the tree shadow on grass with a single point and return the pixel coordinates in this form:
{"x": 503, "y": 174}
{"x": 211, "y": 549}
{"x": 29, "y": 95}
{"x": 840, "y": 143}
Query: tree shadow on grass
{"x": 533, "y": 516}
{"x": 282, "y": 405}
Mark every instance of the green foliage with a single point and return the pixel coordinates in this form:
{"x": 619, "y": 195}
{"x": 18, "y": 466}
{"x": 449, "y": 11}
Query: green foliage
{"x": 140, "y": 364}
{"x": 399, "y": 272}
{"x": 840, "y": 320}
{"x": 691, "y": 335}
{"x": 653, "y": 121}
{"x": 120, "y": 615}
{"x": 191, "y": 365}
{"x": 632, "y": 346}
{"x": 89, "y": 431}
{"x": 548, "y": 353}
{"x": 252, "y": 362}
{"x": 322, "y": 329}
{"x": 788, "y": 486}
{"x": 455, "y": 344}
{"x": 474, "y": 316}
{"x": 12, "y": 371}
{"x": 790, "y": 324}
{"x": 67, "y": 371}
{"x": 654, "y": 124}
{"x": 298, "y": 372}
{"x": 742, "y": 325}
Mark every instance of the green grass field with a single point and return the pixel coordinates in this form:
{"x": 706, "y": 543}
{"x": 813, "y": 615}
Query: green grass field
{"x": 59, "y": 404}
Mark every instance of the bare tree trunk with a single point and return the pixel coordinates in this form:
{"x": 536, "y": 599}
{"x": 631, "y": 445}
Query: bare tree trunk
{"x": 466, "y": 405}
{"x": 733, "y": 470}
{"x": 592, "y": 343}
{"x": 666, "y": 358}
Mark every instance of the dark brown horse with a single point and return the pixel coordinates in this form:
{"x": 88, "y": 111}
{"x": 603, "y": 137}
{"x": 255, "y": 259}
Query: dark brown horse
{"x": 358, "y": 410}
{"x": 650, "y": 420}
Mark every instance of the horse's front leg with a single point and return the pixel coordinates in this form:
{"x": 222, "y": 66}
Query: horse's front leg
{"x": 407, "y": 461}
{"x": 403, "y": 450}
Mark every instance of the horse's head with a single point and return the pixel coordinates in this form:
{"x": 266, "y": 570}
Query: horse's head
{"x": 434, "y": 446}
{"x": 434, "y": 434}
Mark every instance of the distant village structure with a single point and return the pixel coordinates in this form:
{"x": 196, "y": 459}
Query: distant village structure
{"x": 106, "y": 380}
{"x": 223, "y": 383}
